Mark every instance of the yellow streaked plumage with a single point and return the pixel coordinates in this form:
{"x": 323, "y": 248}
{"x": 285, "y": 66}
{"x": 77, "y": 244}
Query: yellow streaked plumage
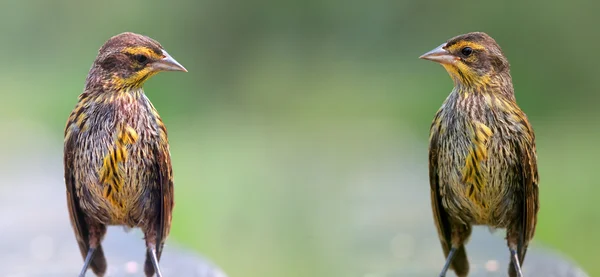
{"x": 474, "y": 170}
{"x": 482, "y": 157}
{"x": 112, "y": 173}
{"x": 116, "y": 157}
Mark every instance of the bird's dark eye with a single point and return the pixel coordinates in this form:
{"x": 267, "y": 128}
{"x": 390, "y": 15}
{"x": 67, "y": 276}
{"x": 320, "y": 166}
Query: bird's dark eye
{"x": 467, "y": 51}
{"x": 140, "y": 58}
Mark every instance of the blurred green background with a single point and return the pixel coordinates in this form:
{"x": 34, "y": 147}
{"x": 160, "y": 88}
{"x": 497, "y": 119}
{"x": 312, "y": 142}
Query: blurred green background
{"x": 291, "y": 108}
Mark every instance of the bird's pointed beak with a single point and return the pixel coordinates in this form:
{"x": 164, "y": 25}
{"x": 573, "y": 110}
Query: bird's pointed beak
{"x": 167, "y": 63}
{"x": 439, "y": 55}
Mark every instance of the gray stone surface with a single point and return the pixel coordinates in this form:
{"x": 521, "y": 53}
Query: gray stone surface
{"x": 37, "y": 239}
{"x": 489, "y": 258}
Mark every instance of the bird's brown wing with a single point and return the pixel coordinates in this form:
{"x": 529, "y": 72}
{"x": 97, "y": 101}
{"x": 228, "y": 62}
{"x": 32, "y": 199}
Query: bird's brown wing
{"x": 529, "y": 178}
{"x": 440, "y": 216}
{"x": 75, "y": 212}
{"x": 80, "y": 226}
{"x": 164, "y": 181}
{"x": 459, "y": 264}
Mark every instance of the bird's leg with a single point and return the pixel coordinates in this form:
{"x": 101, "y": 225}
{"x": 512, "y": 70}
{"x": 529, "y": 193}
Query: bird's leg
{"x": 448, "y": 262}
{"x": 514, "y": 239}
{"x": 152, "y": 254}
{"x": 154, "y": 259}
{"x": 88, "y": 260}
{"x": 515, "y": 260}
{"x": 456, "y": 257}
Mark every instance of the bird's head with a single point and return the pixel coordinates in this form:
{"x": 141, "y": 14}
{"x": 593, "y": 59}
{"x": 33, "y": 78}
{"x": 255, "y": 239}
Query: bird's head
{"x": 127, "y": 60}
{"x": 470, "y": 59}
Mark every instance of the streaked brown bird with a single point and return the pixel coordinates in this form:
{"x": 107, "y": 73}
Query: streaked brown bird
{"x": 117, "y": 162}
{"x": 482, "y": 156}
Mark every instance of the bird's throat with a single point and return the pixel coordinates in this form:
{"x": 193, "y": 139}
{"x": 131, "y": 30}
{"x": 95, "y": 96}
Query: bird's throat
{"x": 464, "y": 77}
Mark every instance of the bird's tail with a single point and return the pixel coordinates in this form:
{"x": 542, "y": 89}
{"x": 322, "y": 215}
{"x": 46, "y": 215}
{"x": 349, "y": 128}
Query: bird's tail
{"x": 98, "y": 263}
{"x": 460, "y": 264}
{"x": 148, "y": 265}
{"x": 511, "y": 267}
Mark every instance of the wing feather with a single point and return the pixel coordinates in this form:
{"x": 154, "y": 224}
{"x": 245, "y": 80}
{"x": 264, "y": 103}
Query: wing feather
{"x": 81, "y": 227}
{"x": 75, "y": 212}
{"x": 166, "y": 199}
{"x": 530, "y": 179}
{"x": 439, "y": 214}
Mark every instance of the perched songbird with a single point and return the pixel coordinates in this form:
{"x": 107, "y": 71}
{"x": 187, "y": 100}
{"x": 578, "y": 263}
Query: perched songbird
{"x": 482, "y": 156}
{"x": 116, "y": 153}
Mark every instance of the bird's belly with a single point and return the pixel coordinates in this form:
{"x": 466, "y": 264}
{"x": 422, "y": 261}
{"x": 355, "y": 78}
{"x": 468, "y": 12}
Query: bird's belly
{"x": 119, "y": 193}
{"x": 491, "y": 207}
{"x": 492, "y": 201}
{"x": 128, "y": 200}
{"x": 122, "y": 206}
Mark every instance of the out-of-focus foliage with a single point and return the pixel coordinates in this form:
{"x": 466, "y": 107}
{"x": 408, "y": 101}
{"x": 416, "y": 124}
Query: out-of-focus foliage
{"x": 287, "y": 103}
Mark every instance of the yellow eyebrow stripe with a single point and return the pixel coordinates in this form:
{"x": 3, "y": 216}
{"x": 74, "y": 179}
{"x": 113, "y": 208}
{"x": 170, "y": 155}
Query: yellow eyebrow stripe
{"x": 463, "y": 44}
{"x": 137, "y": 78}
{"x": 136, "y": 50}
